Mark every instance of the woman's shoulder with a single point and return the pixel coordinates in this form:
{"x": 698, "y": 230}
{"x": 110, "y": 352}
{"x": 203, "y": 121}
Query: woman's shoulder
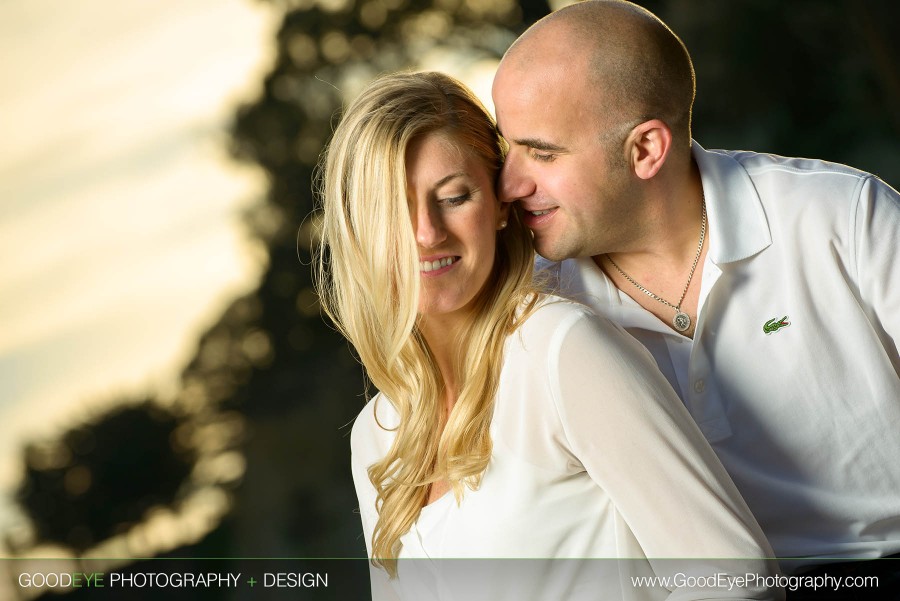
{"x": 554, "y": 315}
{"x": 550, "y": 306}
{"x": 559, "y": 323}
{"x": 374, "y": 428}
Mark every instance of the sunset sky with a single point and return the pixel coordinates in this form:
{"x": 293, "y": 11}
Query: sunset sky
{"x": 119, "y": 207}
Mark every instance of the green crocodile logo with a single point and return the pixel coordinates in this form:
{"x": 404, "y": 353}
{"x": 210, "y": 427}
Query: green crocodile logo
{"x": 773, "y": 325}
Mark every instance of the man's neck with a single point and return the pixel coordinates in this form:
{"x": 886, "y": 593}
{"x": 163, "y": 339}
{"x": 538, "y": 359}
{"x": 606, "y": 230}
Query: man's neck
{"x": 664, "y": 268}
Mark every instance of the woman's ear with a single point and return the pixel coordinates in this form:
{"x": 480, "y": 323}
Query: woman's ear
{"x": 649, "y": 146}
{"x": 503, "y": 214}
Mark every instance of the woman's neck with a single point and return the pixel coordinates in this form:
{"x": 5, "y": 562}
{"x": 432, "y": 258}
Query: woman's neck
{"x": 442, "y": 337}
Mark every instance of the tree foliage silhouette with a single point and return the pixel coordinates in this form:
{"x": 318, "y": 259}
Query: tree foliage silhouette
{"x": 101, "y": 477}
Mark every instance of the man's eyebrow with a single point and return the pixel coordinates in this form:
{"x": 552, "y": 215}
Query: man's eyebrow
{"x": 538, "y": 144}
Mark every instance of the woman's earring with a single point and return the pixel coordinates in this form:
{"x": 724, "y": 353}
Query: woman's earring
{"x": 502, "y": 224}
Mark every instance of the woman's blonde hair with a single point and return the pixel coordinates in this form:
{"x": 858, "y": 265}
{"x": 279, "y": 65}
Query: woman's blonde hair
{"x": 368, "y": 281}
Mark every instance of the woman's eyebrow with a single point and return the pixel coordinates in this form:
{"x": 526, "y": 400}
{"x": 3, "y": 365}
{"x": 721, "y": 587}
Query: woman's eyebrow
{"x": 447, "y": 178}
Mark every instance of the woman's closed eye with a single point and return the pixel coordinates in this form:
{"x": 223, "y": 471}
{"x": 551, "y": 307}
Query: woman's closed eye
{"x": 454, "y": 201}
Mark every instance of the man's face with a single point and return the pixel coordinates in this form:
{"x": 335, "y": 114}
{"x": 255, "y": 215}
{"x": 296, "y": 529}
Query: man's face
{"x": 565, "y": 166}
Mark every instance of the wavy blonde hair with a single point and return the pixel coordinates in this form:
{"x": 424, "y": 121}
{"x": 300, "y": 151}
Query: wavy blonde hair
{"x": 368, "y": 281}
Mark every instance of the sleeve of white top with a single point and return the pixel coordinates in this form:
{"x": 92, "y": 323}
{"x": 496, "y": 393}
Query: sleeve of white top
{"x": 364, "y": 451}
{"x": 637, "y": 441}
{"x": 875, "y": 228}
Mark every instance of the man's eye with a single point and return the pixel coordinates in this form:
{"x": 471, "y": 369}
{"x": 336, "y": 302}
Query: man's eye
{"x": 544, "y": 157}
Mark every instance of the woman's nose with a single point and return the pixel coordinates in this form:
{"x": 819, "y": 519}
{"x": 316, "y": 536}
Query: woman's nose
{"x": 429, "y": 226}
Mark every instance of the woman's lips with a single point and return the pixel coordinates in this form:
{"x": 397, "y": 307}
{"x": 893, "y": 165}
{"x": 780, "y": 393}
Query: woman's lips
{"x": 438, "y": 265}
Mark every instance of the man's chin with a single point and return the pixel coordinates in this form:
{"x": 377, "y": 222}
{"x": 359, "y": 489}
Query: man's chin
{"x": 550, "y": 249}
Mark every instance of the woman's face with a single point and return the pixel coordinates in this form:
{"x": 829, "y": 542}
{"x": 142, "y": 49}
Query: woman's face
{"x": 455, "y": 217}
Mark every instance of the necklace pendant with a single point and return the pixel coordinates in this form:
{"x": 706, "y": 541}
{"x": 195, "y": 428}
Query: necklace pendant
{"x": 682, "y": 321}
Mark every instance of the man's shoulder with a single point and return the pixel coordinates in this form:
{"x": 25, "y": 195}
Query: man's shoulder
{"x": 782, "y": 183}
{"x": 763, "y": 164}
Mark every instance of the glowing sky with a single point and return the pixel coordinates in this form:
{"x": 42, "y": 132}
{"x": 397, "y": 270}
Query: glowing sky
{"x": 119, "y": 209}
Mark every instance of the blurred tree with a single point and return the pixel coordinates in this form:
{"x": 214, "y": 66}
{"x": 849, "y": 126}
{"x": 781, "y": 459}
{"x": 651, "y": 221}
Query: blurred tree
{"x": 101, "y": 477}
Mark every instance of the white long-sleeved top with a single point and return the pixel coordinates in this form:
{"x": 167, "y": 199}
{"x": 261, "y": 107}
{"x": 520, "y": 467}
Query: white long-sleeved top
{"x": 593, "y": 457}
{"x": 805, "y": 416}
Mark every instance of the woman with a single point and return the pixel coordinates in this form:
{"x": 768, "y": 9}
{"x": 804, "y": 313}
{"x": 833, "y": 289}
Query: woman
{"x": 509, "y": 424}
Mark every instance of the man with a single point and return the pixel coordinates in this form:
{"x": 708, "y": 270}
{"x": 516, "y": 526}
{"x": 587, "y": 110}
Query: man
{"x": 765, "y": 287}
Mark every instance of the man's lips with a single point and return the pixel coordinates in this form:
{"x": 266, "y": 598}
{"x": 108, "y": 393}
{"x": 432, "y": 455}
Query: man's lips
{"x": 537, "y": 217}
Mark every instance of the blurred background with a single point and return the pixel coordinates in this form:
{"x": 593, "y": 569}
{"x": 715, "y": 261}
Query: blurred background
{"x": 167, "y": 385}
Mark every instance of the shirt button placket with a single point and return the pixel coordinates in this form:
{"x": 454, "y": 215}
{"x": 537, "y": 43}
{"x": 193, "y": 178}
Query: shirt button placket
{"x": 705, "y": 404}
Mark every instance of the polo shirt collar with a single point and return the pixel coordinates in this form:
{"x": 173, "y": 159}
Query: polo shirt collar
{"x": 737, "y": 222}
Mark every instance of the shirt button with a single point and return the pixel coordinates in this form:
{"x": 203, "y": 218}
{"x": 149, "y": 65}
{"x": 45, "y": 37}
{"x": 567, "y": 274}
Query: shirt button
{"x": 699, "y": 385}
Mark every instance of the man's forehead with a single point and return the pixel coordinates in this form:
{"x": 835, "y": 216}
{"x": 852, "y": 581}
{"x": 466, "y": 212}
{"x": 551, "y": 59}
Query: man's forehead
{"x": 537, "y": 71}
{"x": 534, "y": 83}
{"x": 542, "y": 38}
{"x": 539, "y": 92}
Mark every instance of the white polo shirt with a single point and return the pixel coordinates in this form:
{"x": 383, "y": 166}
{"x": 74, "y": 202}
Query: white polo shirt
{"x": 792, "y": 374}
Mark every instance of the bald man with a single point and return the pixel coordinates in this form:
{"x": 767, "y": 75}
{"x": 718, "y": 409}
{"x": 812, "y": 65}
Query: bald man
{"x": 767, "y": 288}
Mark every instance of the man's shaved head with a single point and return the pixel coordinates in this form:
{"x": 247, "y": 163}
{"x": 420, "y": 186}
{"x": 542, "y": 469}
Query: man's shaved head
{"x": 595, "y": 102}
{"x": 636, "y": 66}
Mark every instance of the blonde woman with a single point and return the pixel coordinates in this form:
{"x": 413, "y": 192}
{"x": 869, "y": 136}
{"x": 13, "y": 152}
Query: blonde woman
{"x": 509, "y": 423}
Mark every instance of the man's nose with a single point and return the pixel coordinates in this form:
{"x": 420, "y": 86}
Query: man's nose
{"x": 514, "y": 182}
{"x": 428, "y": 225}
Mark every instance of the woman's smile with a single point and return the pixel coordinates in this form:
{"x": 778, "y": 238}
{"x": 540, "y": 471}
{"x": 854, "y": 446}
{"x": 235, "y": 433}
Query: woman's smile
{"x": 436, "y": 266}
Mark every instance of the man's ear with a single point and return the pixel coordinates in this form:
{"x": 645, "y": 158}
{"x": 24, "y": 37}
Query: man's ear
{"x": 649, "y": 144}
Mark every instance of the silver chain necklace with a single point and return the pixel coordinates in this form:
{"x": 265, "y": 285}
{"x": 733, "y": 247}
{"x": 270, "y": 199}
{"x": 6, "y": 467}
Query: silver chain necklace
{"x": 681, "y": 321}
